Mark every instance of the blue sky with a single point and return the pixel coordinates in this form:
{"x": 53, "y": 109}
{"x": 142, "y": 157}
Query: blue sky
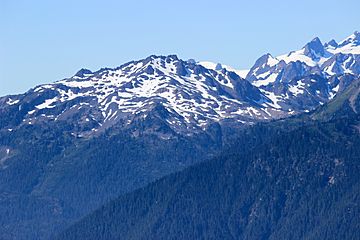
{"x": 44, "y": 41}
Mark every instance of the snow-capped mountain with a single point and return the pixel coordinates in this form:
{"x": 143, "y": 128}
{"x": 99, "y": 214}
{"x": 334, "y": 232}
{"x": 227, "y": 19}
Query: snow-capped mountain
{"x": 302, "y": 79}
{"x": 186, "y": 95}
{"x": 329, "y": 59}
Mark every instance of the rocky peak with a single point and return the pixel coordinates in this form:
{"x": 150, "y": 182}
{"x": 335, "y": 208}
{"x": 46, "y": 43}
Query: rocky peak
{"x": 332, "y": 43}
{"x": 314, "y": 49}
{"x": 83, "y": 72}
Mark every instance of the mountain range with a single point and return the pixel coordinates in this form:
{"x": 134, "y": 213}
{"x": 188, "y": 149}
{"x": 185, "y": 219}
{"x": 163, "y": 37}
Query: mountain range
{"x": 69, "y": 147}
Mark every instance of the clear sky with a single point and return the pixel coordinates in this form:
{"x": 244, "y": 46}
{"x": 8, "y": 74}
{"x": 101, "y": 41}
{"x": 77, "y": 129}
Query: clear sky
{"x": 44, "y": 41}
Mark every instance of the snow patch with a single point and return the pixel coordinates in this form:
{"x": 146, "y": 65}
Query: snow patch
{"x": 47, "y": 104}
{"x": 298, "y": 88}
{"x": 12, "y": 102}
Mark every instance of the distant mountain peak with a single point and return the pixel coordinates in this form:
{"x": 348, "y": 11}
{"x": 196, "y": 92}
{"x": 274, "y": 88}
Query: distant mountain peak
{"x": 306, "y": 77}
{"x": 331, "y": 43}
{"x": 83, "y": 72}
{"x": 353, "y": 39}
{"x": 316, "y": 40}
{"x": 314, "y": 48}
{"x": 264, "y": 60}
{"x": 356, "y": 37}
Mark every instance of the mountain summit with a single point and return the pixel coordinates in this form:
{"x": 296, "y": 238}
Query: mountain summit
{"x": 314, "y": 49}
{"x": 190, "y": 96}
